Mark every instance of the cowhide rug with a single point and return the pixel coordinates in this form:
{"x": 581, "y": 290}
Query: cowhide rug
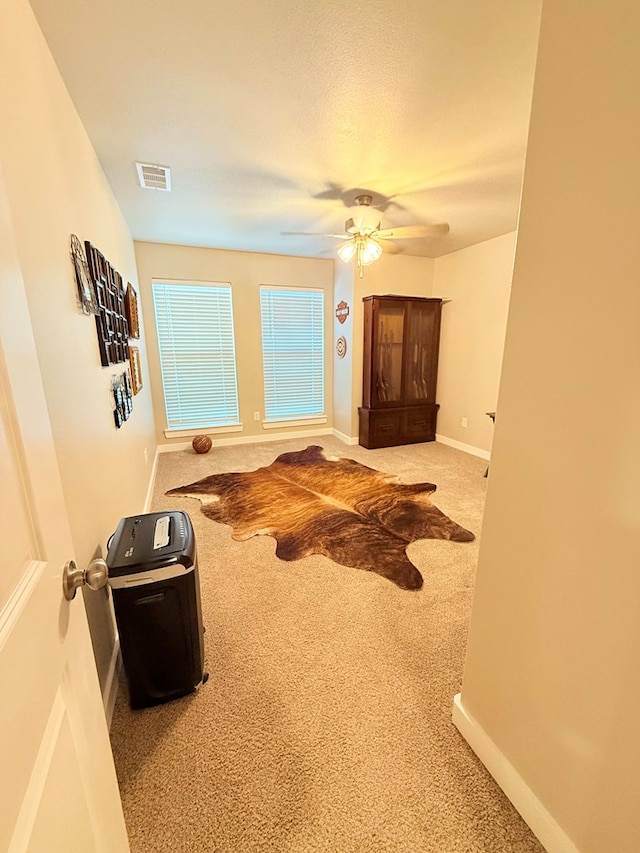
{"x": 352, "y": 514}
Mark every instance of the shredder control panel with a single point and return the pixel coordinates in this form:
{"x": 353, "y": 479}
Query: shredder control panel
{"x": 151, "y": 540}
{"x": 161, "y": 532}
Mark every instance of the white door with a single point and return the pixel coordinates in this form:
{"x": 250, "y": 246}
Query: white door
{"x": 58, "y": 788}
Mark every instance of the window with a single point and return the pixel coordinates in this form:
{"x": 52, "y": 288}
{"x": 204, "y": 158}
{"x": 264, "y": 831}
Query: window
{"x": 194, "y": 322}
{"x": 292, "y": 353}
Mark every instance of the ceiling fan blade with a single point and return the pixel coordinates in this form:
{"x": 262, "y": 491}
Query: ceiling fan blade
{"x": 312, "y": 234}
{"x": 389, "y": 247}
{"x": 405, "y": 231}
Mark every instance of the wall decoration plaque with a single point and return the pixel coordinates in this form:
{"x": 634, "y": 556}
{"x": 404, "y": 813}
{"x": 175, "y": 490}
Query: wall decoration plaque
{"x": 122, "y": 398}
{"x": 136, "y": 369}
{"x": 111, "y": 323}
{"x": 341, "y": 346}
{"x": 342, "y": 311}
{"x": 86, "y": 294}
{"x": 131, "y": 306}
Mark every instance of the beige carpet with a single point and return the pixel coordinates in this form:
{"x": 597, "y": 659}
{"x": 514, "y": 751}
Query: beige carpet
{"x": 326, "y": 721}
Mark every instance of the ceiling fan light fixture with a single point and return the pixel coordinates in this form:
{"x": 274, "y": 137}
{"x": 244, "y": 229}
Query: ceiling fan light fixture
{"x": 363, "y": 233}
{"x": 364, "y": 249}
{"x": 370, "y": 251}
{"x": 363, "y": 221}
{"x": 346, "y": 251}
{"x": 364, "y": 218}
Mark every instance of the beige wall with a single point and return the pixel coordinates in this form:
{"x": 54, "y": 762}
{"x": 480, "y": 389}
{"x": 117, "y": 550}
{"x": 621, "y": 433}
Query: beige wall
{"x": 245, "y": 271}
{"x": 552, "y": 675}
{"x": 400, "y": 274}
{"x": 477, "y": 279}
{"x": 478, "y": 282}
{"x": 55, "y": 187}
{"x": 343, "y": 368}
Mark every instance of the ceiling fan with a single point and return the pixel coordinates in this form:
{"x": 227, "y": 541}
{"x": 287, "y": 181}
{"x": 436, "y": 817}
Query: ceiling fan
{"x": 366, "y": 241}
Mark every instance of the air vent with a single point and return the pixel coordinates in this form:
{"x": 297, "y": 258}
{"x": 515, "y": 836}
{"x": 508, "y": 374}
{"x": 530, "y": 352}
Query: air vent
{"x": 154, "y": 177}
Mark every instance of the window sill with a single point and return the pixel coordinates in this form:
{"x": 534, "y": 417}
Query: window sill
{"x": 188, "y": 433}
{"x": 293, "y": 423}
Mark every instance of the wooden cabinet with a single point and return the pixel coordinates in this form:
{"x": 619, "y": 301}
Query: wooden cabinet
{"x": 400, "y": 369}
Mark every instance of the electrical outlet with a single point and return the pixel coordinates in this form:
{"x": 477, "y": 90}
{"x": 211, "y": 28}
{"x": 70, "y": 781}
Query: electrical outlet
{"x": 463, "y": 422}
{"x": 256, "y": 416}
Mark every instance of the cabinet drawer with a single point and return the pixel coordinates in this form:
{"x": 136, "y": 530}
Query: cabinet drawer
{"x": 419, "y": 423}
{"x": 406, "y": 425}
{"x": 380, "y": 428}
{"x": 384, "y": 425}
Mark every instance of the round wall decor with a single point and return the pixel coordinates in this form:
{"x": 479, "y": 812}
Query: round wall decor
{"x": 341, "y": 346}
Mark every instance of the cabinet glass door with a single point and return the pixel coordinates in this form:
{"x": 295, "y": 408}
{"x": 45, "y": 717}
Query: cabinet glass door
{"x": 387, "y": 352}
{"x": 422, "y": 352}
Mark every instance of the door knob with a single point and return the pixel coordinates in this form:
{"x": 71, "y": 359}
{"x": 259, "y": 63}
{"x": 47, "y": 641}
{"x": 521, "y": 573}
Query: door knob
{"x": 94, "y": 576}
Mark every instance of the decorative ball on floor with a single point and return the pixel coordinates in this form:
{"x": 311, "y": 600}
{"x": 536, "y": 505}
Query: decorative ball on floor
{"x": 202, "y": 444}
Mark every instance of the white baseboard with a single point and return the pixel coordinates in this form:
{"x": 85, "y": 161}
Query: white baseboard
{"x": 152, "y": 482}
{"x": 467, "y": 448}
{"x": 110, "y": 691}
{"x": 176, "y": 445}
{"x": 310, "y": 433}
{"x": 535, "y": 815}
{"x": 350, "y": 441}
{"x": 248, "y": 439}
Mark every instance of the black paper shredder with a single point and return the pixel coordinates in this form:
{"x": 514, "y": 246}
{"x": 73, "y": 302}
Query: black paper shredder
{"x": 153, "y": 575}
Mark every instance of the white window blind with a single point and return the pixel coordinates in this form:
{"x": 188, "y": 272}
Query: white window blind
{"x": 197, "y": 354}
{"x": 292, "y": 352}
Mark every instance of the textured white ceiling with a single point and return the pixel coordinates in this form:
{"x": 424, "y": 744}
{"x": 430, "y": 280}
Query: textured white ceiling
{"x": 273, "y": 115}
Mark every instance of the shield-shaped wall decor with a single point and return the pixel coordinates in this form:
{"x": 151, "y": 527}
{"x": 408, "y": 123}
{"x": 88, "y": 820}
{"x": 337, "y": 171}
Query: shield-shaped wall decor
{"x": 342, "y": 311}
